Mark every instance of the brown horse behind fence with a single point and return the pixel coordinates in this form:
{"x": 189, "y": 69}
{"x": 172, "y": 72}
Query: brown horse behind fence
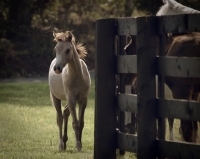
{"x": 187, "y": 45}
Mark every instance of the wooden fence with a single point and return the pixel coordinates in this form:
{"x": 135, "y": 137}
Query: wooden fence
{"x": 111, "y": 61}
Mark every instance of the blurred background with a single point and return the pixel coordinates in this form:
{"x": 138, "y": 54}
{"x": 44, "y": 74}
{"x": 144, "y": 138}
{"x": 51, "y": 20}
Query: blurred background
{"x": 26, "y": 26}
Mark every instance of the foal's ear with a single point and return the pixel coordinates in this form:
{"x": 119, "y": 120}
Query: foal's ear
{"x": 54, "y": 34}
{"x": 70, "y": 35}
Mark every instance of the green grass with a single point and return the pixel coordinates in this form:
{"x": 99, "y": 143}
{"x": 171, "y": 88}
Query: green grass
{"x": 28, "y": 126}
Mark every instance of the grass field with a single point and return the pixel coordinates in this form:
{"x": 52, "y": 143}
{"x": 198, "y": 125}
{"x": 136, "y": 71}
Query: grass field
{"x": 28, "y": 127}
{"x": 28, "y": 124}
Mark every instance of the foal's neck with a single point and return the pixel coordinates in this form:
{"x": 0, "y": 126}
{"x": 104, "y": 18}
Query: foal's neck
{"x": 74, "y": 65}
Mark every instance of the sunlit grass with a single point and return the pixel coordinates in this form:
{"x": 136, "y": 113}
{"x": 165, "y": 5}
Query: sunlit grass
{"x": 28, "y": 125}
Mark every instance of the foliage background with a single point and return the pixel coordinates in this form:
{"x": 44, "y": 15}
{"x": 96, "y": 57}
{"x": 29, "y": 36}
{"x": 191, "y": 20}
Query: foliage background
{"x": 26, "y": 26}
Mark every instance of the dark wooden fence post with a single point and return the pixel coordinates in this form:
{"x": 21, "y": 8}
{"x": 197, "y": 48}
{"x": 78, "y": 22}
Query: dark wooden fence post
{"x": 121, "y": 117}
{"x": 105, "y": 102}
{"x": 161, "y": 90}
{"x": 146, "y": 90}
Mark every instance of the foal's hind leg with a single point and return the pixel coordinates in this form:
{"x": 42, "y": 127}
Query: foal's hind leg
{"x": 66, "y": 114}
{"x": 57, "y": 104}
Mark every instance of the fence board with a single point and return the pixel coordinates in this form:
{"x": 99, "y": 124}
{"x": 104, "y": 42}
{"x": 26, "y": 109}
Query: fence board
{"x": 181, "y": 109}
{"x": 127, "y": 102}
{"x": 126, "y": 142}
{"x": 122, "y": 87}
{"x": 177, "y": 150}
{"x": 105, "y": 102}
{"x": 146, "y": 44}
{"x": 127, "y": 64}
{"x": 178, "y": 24}
{"x": 172, "y": 24}
{"x": 161, "y": 91}
{"x": 127, "y": 26}
{"x": 193, "y": 22}
{"x": 178, "y": 66}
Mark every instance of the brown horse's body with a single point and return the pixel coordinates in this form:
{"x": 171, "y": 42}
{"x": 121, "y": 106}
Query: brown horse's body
{"x": 187, "y": 45}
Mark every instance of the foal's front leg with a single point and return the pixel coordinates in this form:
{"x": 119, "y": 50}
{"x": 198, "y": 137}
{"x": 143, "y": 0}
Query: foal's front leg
{"x": 75, "y": 122}
{"x": 66, "y": 114}
{"x": 57, "y": 104}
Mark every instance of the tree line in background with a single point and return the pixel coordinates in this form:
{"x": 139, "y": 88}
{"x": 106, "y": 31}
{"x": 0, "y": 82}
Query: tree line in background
{"x": 26, "y": 26}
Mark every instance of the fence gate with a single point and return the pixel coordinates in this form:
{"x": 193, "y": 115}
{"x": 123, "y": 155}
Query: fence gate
{"x": 141, "y": 59}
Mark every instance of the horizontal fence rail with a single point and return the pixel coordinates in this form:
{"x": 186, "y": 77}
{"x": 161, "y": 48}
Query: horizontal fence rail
{"x": 126, "y": 142}
{"x": 178, "y": 24}
{"x": 126, "y": 64}
{"x": 181, "y": 109}
{"x": 178, "y": 66}
{"x": 177, "y": 150}
{"x": 127, "y": 26}
{"x": 127, "y": 102}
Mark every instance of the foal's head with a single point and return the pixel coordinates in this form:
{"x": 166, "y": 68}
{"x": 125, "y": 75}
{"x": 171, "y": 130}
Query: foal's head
{"x": 63, "y": 49}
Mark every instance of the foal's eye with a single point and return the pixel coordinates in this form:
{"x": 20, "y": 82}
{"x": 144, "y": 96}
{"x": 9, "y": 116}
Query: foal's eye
{"x": 67, "y": 51}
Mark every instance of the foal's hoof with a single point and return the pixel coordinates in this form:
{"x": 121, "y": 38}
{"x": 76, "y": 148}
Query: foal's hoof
{"x": 78, "y": 147}
{"x": 61, "y": 146}
{"x": 65, "y": 146}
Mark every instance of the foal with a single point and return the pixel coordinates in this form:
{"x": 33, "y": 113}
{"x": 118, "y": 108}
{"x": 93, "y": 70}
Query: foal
{"x": 69, "y": 80}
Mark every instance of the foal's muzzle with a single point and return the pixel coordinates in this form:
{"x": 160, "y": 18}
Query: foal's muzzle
{"x": 57, "y": 69}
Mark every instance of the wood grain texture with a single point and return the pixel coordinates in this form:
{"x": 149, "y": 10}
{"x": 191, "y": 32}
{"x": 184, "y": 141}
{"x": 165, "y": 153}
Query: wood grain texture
{"x": 127, "y": 102}
{"x": 126, "y": 64}
{"x": 127, "y": 26}
{"x": 178, "y": 24}
{"x": 181, "y": 109}
{"x": 177, "y": 150}
{"x": 146, "y": 93}
{"x": 126, "y": 142}
{"x": 178, "y": 66}
{"x": 193, "y": 22}
{"x": 172, "y": 24}
{"x": 105, "y": 103}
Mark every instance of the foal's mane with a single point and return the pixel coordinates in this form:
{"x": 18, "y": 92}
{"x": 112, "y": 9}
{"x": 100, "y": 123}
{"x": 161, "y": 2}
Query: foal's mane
{"x": 66, "y": 36}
